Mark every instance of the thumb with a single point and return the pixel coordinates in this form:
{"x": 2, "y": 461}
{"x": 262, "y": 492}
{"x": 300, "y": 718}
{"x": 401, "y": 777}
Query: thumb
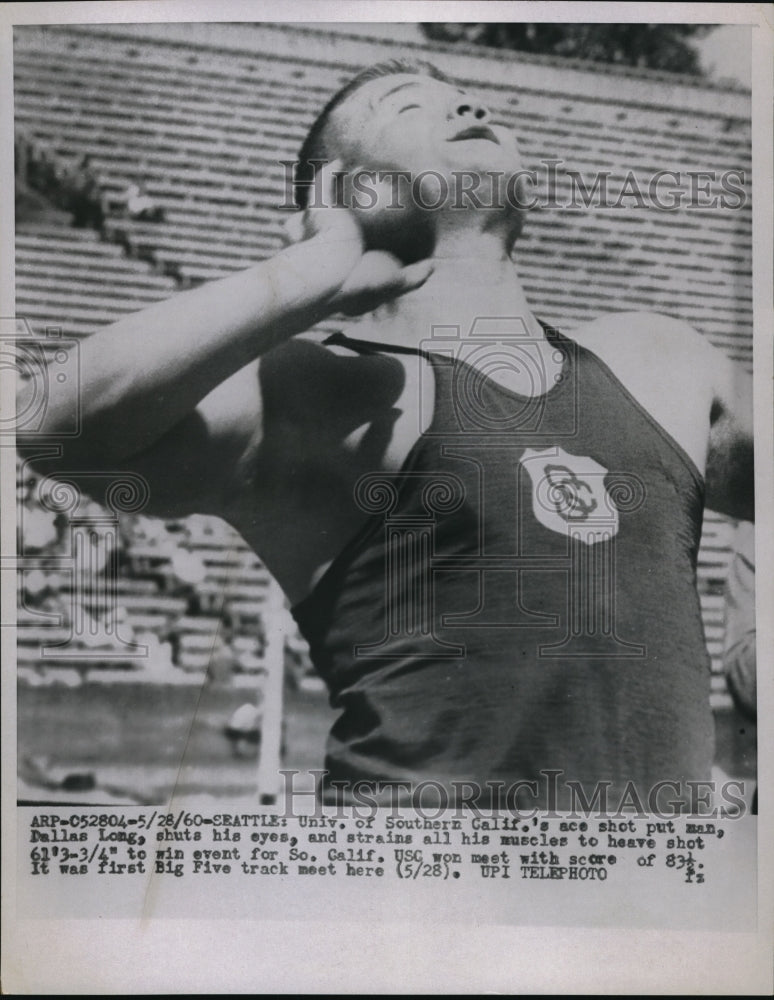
{"x": 415, "y": 275}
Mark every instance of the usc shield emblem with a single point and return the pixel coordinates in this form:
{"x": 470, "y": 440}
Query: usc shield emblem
{"x": 569, "y": 495}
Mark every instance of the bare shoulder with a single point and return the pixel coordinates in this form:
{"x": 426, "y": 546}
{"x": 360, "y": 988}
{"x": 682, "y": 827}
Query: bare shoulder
{"x": 652, "y": 328}
{"x": 648, "y": 341}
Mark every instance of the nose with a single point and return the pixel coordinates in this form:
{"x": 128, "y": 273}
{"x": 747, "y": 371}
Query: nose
{"x": 470, "y": 109}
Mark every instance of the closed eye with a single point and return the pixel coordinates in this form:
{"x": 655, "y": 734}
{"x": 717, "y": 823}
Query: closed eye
{"x": 408, "y": 107}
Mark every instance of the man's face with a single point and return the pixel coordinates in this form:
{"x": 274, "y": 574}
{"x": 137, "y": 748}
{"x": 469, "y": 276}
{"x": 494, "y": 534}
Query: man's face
{"x": 415, "y": 123}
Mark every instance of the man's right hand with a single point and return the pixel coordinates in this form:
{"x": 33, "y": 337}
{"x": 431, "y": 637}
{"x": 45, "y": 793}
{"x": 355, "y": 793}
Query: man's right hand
{"x": 173, "y": 391}
{"x": 367, "y": 277}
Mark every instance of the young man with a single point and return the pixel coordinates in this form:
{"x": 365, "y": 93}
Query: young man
{"x": 487, "y": 530}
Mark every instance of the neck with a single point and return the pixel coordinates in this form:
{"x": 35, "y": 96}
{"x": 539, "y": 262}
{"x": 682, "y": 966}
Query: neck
{"x": 473, "y": 277}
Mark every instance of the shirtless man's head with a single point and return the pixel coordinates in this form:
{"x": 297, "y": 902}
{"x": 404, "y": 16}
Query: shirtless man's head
{"x": 409, "y": 117}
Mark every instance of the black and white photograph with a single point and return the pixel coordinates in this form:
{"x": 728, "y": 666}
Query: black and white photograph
{"x": 379, "y": 499}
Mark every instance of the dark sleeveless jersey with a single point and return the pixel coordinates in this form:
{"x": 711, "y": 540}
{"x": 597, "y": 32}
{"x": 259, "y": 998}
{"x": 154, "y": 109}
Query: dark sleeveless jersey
{"x": 521, "y": 600}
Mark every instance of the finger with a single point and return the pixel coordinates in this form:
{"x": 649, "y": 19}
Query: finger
{"x": 415, "y": 275}
{"x": 374, "y": 270}
{"x": 408, "y": 279}
{"x": 380, "y": 278}
{"x": 381, "y": 273}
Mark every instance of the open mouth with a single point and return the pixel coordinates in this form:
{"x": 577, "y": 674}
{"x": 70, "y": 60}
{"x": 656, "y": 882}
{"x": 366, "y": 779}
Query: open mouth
{"x": 475, "y": 132}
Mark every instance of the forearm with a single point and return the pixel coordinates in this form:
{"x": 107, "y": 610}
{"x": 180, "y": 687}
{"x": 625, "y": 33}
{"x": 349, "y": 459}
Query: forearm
{"x": 143, "y": 374}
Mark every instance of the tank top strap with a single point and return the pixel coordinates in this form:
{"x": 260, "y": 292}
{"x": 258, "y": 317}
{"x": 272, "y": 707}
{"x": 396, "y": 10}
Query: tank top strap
{"x": 340, "y": 339}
